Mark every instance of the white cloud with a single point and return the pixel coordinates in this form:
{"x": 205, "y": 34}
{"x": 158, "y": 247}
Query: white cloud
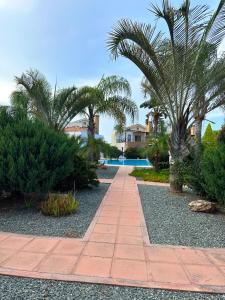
{"x": 18, "y": 5}
{"x": 6, "y": 88}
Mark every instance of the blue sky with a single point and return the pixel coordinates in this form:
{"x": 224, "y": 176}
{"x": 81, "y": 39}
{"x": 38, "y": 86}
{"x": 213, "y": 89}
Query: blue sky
{"x": 67, "y": 39}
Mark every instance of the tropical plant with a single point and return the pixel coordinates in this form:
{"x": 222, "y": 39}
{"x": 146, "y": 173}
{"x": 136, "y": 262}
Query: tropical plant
{"x": 171, "y": 70}
{"x": 55, "y": 108}
{"x": 157, "y": 151}
{"x": 156, "y": 110}
{"x": 110, "y": 97}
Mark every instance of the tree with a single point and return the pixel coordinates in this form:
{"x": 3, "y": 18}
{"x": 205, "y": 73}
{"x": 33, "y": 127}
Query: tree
{"x": 156, "y": 110}
{"x": 209, "y": 137}
{"x": 210, "y": 84}
{"x": 55, "y": 108}
{"x": 110, "y": 97}
{"x": 171, "y": 70}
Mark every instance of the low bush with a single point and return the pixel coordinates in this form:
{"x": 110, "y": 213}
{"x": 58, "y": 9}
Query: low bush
{"x": 133, "y": 153}
{"x": 151, "y": 175}
{"x": 59, "y": 205}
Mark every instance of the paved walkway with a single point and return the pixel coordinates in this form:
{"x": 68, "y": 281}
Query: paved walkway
{"x": 115, "y": 250}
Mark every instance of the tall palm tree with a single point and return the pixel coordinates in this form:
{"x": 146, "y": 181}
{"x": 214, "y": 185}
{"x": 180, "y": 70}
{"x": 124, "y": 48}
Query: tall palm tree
{"x": 110, "y": 97}
{"x": 55, "y": 108}
{"x": 171, "y": 73}
{"x": 155, "y": 109}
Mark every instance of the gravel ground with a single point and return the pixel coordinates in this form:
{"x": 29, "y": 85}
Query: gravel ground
{"x": 169, "y": 220}
{"x": 30, "y": 221}
{"x": 26, "y": 289}
{"x": 108, "y": 173}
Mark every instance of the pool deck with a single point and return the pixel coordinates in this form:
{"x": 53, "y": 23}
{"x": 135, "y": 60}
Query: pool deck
{"x": 116, "y": 250}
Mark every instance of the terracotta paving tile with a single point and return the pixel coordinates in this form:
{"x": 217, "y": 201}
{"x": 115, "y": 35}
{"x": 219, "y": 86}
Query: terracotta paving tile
{"x": 15, "y": 242}
{"x": 3, "y": 237}
{"x": 170, "y": 273}
{"x": 93, "y": 266}
{"x": 60, "y": 264}
{"x": 104, "y": 228}
{"x": 132, "y": 222}
{"x": 107, "y": 207}
{"x": 130, "y": 214}
{"x": 24, "y": 261}
{"x": 108, "y": 213}
{"x": 129, "y": 239}
{"x": 130, "y": 230}
{"x": 42, "y": 245}
{"x": 159, "y": 254}
{"x": 223, "y": 270}
{"x": 129, "y": 269}
{"x": 126, "y": 208}
{"x": 5, "y": 253}
{"x": 206, "y": 275}
{"x": 192, "y": 256}
{"x": 129, "y": 252}
{"x": 107, "y": 220}
{"x": 99, "y": 249}
{"x": 217, "y": 257}
{"x": 103, "y": 237}
{"x": 69, "y": 247}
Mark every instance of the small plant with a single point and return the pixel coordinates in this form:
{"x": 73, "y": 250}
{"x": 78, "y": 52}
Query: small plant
{"x": 151, "y": 175}
{"x": 59, "y": 205}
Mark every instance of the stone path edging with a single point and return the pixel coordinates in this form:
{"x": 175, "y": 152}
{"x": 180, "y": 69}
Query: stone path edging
{"x": 115, "y": 250}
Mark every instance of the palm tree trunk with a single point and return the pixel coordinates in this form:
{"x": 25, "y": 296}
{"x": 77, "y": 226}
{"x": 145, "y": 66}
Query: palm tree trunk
{"x": 178, "y": 151}
{"x": 198, "y": 138}
{"x": 156, "y": 123}
{"x": 91, "y": 136}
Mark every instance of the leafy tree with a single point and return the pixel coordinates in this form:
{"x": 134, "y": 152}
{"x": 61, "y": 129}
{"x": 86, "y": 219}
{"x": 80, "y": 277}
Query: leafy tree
{"x": 171, "y": 70}
{"x": 55, "y": 108}
{"x": 110, "y": 97}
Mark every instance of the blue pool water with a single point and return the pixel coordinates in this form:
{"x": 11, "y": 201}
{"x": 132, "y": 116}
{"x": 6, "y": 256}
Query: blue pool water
{"x": 127, "y": 162}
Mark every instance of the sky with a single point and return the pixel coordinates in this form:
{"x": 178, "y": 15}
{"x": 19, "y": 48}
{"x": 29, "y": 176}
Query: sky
{"x": 67, "y": 40}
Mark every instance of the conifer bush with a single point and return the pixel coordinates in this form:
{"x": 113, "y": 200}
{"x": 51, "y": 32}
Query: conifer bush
{"x": 33, "y": 157}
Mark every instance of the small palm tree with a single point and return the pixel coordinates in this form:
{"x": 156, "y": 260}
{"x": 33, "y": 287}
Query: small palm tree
{"x": 55, "y": 108}
{"x": 170, "y": 65}
{"x": 110, "y": 97}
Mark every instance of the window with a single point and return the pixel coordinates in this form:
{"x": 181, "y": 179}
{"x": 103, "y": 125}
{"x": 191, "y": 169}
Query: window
{"x": 129, "y": 138}
{"x": 137, "y": 138}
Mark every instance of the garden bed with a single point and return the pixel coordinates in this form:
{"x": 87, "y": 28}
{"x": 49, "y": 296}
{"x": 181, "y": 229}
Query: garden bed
{"x": 151, "y": 175}
{"x": 20, "y": 219}
{"x": 169, "y": 220}
{"x": 108, "y": 173}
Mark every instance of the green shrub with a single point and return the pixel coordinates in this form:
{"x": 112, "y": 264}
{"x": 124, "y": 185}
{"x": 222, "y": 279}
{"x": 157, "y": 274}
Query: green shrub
{"x": 82, "y": 175}
{"x": 59, "y": 205}
{"x": 133, "y": 153}
{"x": 213, "y": 172}
{"x": 33, "y": 157}
{"x": 151, "y": 175}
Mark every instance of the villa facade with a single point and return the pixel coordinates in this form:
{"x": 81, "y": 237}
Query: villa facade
{"x": 133, "y": 136}
{"x": 80, "y": 128}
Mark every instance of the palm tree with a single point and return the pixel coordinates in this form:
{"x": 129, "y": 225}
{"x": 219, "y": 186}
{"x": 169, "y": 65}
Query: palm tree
{"x": 55, "y": 108}
{"x": 156, "y": 111}
{"x": 110, "y": 97}
{"x": 171, "y": 71}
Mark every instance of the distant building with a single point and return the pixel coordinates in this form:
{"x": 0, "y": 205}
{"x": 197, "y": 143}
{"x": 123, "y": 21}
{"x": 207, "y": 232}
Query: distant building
{"x": 133, "y": 136}
{"x": 80, "y": 128}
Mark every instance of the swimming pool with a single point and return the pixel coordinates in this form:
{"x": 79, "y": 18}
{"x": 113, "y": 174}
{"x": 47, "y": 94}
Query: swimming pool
{"x": 127, "y": 162}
